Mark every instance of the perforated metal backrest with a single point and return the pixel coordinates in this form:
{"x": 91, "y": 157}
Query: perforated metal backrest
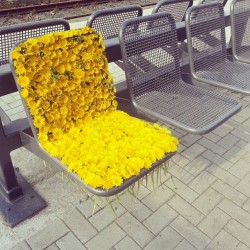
{"x": 212, "y": 1}
{"x": 10, "y": 35}
{"x": 108, "y": 21}
{"x": 205, "y": 27}
{"x": 177, "y": 8}
{"x": 150, "y": 53}
{"x": 240, "y": 23}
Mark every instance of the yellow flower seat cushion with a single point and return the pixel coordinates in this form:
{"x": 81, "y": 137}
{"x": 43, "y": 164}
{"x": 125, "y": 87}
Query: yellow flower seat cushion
{"x": 70, "y": 95}
{"x": 112, "y": 148}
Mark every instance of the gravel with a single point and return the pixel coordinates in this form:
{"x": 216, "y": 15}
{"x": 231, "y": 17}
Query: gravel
{"x": 56, "y": 13}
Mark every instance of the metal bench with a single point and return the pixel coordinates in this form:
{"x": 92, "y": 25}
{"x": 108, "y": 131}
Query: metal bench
{"x": 177, "y": 8}
{"x": 108, "y": 21}
{"x": 205, "y": 28}
{"x": 212, "y": 1}
{"x": 18, "y": 200}
{"x": 152, "y": 67}
{"x": 240, "y": 29}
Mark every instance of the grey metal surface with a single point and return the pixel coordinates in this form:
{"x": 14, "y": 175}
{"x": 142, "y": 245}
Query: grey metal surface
{"x": 177, "y": 8}
{"x": 30, "y": 142}
{"x": 108, "y": 21}
{"x": 212, "y": 1}
{"x": 205, "y": 28}
{"x": 10, "y": 35}
{"x": 153, "y": 75}
{"x": 240, "y": 29}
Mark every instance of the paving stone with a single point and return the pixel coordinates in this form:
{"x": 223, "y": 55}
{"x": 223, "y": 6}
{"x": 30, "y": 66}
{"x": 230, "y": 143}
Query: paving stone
{"x": 52, "y": 247}
{"x": 15, "y": 104}
{"x": 14, "y": 111}
{"x": 189, "y": 139}
{"x": 235, "y": 212}
{"x": 86, "y": 208}
{"x": 222, "y": 130}
{"x": 4, "y": 106}
{"x": 23, "y": 245}
{"x": 50, "y": 234}
{"x": 160, "y": 219}
{"x": 239, "y": 231}
{"x": 212, "y": 137}
{"x": 217, "y": 159}
{"x": 185, "y": 245}
{"x": 105, "y": 216}
{"x": 223, "y": 241}
{"x": 79, "y": 225}
{"x": 69, "y": 241}
{"x": 228, "y": 141}
{"x": 242, "y": 246}
{"x": 151, "y": 182}
{"x": 14, "y": 117}
{"x": 8, "y": 99}
{"x": 158, "y": 197}
{"x": 193, "y": 151}
{"x": 223, "y": 175}
{"x": 229, "y": 192}
{"x": 238, "y": 118}
{"x": 106, "y": 239}
{"x": 197, "y": 165}
{"x": 168, "y": 238}
{"x": 214, "y": 222}
{"x": 240, "y": 169}
{"x": 214, "y": 147}
{"x": 142, "y": 191}
{"x": 186, "y": 210}
{"x": 182, "y": 190}
{"x": 246, "y": 206}
{"x": 244, "y": 185}
{"x": 190, "y": 233}
{"x": 207, "y": 200}
{"x": 242, "y": 144}
{"x": 238, "y": 126}
{"x": 127, "y": 243}
{"x": 234, "y": 154}
{"x": 137, "y": 231}
{"x": 180, "y": 173}
{"x": 180, "y": 160}
{"x": 136, "y": 208}
{"x": 203, "y": 181}
{"x": 241, "y": 134}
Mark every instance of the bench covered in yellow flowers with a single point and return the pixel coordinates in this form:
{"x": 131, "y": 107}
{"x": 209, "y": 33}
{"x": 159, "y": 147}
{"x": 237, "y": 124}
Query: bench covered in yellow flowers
{"x": 70, "y": 101}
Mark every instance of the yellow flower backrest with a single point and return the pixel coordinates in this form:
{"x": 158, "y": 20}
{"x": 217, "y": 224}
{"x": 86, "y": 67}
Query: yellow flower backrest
{"x": 64, "y": 79}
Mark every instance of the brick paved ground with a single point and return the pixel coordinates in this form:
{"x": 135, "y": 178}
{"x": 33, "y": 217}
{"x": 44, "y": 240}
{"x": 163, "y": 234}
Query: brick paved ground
{"x": 203, "y": 202}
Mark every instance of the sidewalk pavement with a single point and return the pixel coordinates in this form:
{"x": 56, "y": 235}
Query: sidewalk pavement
{"x": 203, "y": 202}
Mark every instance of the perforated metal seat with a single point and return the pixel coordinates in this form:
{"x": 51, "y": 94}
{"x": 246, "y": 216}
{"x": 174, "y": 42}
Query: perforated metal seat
{"x": 108, "y": 21}
{"x": 240, "y": 29}
{"x": 212, "y": 1}
{"x": 205, "y": 28}
{"x": 10, "y": 35}
{"x": 152, "y": 67}
{"x": 177, "y": 8}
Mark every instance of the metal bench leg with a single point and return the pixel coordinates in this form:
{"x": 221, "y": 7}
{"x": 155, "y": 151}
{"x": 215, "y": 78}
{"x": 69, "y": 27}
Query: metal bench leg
{"x": 18, "y": 200}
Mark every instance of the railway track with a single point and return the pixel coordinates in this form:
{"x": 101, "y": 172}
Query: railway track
{"x": 49, "y": 7}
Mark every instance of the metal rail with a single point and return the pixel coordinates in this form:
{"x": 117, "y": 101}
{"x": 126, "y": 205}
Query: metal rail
{"x": 60, "y": 5}
{"x": 48, "y": 7}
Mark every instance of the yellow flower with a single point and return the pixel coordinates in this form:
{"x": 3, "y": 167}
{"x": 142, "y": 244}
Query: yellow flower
{"x": 70, "y": 94}
{"x": 24, "y": 93}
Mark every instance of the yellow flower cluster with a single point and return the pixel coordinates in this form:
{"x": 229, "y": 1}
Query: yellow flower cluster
{"x": 65, "y": 79}
{"x": 125, "y": 145}
{"x": 71, "y": 98}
